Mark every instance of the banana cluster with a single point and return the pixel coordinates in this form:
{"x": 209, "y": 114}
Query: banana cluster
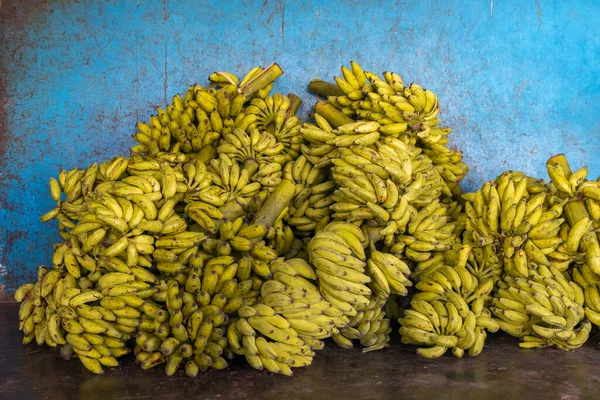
{"x": 292, "y": 294}
{"x": 589, "y": 281}
{"x": 369, "y": 326}
{"x": 459, "y": 299}
{"x": 203, "y": 115}
{"x": 268, "y": 341}
{"x": 582, "y": 211}
{"x": 310, "y": 209}
{"x": 544, "y": 309}
{"x": 440, "y": 326}
{"x": 512, "y": 222}
{"x": 406, "y": 112}
{"x": 388, "y": 183}
{"x": 389, "y": 274}
{"x": 338, "y": 255}
{"x": 63, "y": 311}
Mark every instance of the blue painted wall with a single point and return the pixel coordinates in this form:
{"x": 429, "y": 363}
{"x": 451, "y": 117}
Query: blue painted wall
{"x": 517, "y": 80}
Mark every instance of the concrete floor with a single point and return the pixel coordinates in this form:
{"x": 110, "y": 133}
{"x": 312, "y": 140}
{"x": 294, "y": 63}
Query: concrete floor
{"x": 502, "y": 371}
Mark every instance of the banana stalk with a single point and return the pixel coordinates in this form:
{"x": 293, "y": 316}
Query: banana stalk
{"x": 331, "y": 114}
{"x": 324, "y": 88}
{"x": 267, "y": 76}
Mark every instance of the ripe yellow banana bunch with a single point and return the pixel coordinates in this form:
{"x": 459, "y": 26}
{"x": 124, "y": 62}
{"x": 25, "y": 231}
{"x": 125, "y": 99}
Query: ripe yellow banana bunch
{"x": 427, "y": 232}
{"x": 439, "y": 325}
{"x": 380, "y": 184}
{"x": 268, "y": 340}
{"x": 406, "y": 112}
{"x": 515, "y": 222}
{"x": 338, "y": 255}
{"x": 450, "y": 302}
{"x": 369, "y": 326}
{"x": 257, "y": 145}
{"x": 276, "y": 115}
{"x": 388, "y": 273}
{"x": 293, "y": 295}
{"x": 582, "y": 210}
{"x": 589, "y": 281}
{"x": 60, "y": 310}
{"x": 310, "y": 208}
{"x": 544, "y": 309}
{"x": 77, "y": 185}
{"x": 233, "y": 182}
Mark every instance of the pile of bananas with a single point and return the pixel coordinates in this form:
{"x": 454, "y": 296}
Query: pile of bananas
{"x": 236, "y": 229}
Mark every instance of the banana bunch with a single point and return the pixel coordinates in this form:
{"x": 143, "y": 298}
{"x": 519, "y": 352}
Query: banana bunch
{"x": 60, "y": 310}
{"x": 204, "y": 114}
{"x": 380, "y": 184}
{"x": 589, "y": 281}
{"x": 406, "y": 112}
{"x": 259, "y": 146}
{"x": 388, "y": 273}
{"x": 309, "y": 210}
{"x": 582, "y": 211}
{"x": 512, "y": 222}
{"x": 293, "y": 295}
{"x": 276, "y": 115}
{"x": 77, "y": 185}
{"x": 267, "y": 340}
{"x": 232, "y": 182}
{"x": 370, "y": 326}
{"x": 338, "y": 255}
{"x": 543, "y": 309}
{"x": 439, "y": 326}
{"x": 186, "y": 325}
{"x": 428, "y": 233}
{"x": 453, "y": 284}
{"x": 281, "y": 237}
{"x": 315, "y": 147}
{"x": 451, "y": 302}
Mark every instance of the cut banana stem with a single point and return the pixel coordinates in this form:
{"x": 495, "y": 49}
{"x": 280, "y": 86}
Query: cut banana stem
{"x": 324, "y": 88}
{"x": 267, "y": 76}
{"x": 331, "y": 114}
{"x": 275, "y": 204}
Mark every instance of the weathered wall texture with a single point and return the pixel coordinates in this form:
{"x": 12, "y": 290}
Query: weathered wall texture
{"x": 518, "y": 80}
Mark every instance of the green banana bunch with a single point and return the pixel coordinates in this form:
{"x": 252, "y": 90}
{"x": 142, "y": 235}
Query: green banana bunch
{"x": 512, "y": 222}
{"x": 203, "y": 115}
{"x": 310, "y": 208}
{"x": 543, "y": 309}
{"x": 370, "y": 326}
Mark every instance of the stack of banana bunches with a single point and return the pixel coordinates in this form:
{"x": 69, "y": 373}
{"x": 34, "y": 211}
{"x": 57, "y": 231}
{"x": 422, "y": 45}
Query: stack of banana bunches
{"x": 235, "y": 229}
